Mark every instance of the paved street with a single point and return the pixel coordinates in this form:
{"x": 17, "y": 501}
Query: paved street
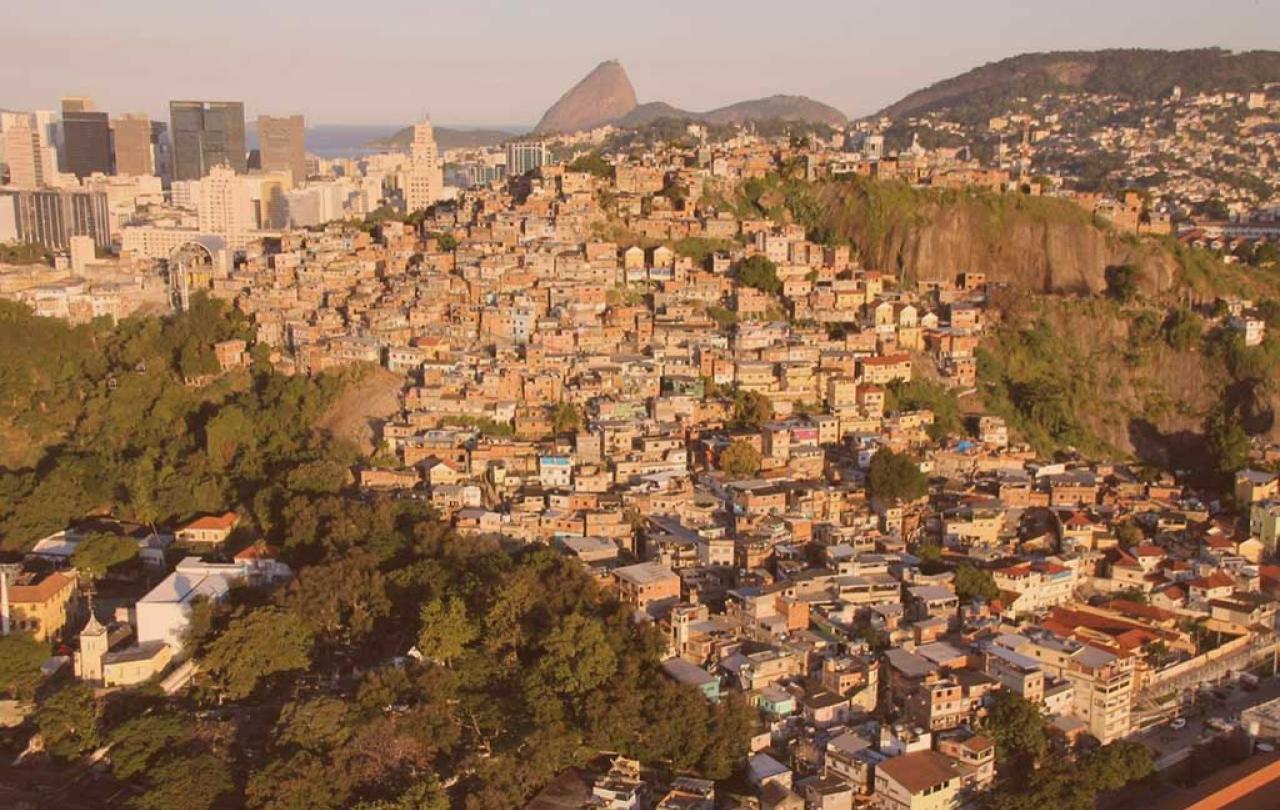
{"x": 1164, "y": 740}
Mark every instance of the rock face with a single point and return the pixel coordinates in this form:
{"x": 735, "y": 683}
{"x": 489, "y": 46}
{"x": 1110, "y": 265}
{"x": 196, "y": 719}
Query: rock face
{"x": 1027, "y": 252}
{"x": 1036, "y": 245}
{"x": 603, "y": 97}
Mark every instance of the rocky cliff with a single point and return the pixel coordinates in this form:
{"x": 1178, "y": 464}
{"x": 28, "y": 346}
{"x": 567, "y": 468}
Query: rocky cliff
{"x": 1033, "y": 244}
{"x": 603, "y": 97}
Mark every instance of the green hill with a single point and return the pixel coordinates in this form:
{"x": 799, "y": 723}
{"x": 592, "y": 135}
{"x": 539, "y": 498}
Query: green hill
{"x": 1131, "y": 72}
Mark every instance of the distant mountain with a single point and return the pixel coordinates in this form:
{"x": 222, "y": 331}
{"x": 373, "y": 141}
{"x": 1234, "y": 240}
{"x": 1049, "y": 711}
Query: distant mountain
{"x": 447, "y": 138}
{"x": 1132, "y": 73}
{"x": 603, "y": 97}
{"x": 783, "y": 108}
{"x": 606, "y": 96}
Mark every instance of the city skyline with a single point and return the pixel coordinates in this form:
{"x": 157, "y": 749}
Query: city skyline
{"x": 436, "y": 60}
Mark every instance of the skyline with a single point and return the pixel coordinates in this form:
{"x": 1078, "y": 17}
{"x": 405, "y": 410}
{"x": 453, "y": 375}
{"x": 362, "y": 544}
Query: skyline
{"x": 457, "y": 66}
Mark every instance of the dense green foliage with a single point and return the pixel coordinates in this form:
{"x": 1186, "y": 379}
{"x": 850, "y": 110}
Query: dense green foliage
{"x": 1075, "y": 784}
{"x": 20, "y": 660}
{"x": 920, "y": 394}
{"x": 895, "y": 477}
{"x": 971, "y": 582}
{"x": 97, "y": 554}
{"x": 740, "y": 459}
{"x": 759, "y": 273}
{"x": 25, "y": 253}
{"x": 1018, "y": 730}
{"x": 109, "y": 425}
{"x": 751, "y": 410}
{"x": 1033, "y": 378}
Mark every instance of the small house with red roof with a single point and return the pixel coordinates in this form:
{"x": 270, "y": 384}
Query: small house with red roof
{"x": 210, "y": 530}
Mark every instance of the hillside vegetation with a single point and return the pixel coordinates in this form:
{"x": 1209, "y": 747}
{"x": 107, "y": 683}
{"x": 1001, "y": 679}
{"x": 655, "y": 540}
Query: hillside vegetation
{"x": 974, "y": 96}
{"x": 100, "y": 421}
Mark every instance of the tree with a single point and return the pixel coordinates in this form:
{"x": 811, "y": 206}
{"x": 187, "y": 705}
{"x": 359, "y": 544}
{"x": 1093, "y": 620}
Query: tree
{"x": 198, "y": 782}
{"x": 972, "y": 583}
{"x": 447, "y": 242}
{"x": 565, "y": 418}
{"x": 576, "y": 656}
{"x": 262, "y": 643}
{"x": 68, "y": 720}
{"x": 427, "y": 794}
{"x": 446, "y": 629}
{"x": 760, "y": 273}
{"x": 740, "y": 459}
{"x": 751, "y": 409}
{"x": 1016, "y": 726}
{"x": 594, "y": 163}
{"x": 895, "y": 477}
{"x": 317, "y": 724}
{"x": 99, "y": 553}
{"x": 1129, "y": 534}
{"x": 1226, "y": 442}
{"x": 136, "y": 743}
{"x": 21, "y": 657}
{"x": 1182, "y": 329}
{"x": 1122, "y": 282}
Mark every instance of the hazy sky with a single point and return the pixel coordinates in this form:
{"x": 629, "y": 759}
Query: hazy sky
{"x": 490, "y": 62}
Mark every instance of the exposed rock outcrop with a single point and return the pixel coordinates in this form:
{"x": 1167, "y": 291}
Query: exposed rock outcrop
{"x": 603, "y": 97}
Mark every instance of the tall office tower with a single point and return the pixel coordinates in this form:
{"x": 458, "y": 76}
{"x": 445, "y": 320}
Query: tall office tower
{"x": 50, "y": 217}
{"x": 22, "y": 153}
{"x": 282, "y": 145}
{"x": 424, "y": 180}
{"x": 161, "y": 152}
{"x": 132, "y": 137}
{"x": 225, "y": 207}
{"x": 86, "y": 138}
{"x": 525, "y": 156}
{"x": 49, "y": 128}
{"x": 206, "y": 134}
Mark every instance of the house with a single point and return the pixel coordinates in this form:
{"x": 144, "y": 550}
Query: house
{"x": 210, "y": 530}
{"x": 922, "y": 780}
{"x": 648, "y": 584}
{"x": 39, "y": 604}
{"x": 1255, "y": 486}
{"x": 682, "y": 672}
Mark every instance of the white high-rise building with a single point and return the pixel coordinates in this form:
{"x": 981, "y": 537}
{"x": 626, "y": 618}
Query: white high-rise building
{"x": 225, "y": 207}
{"x": 423, "y": 179}
{"x": 22, "y": 153}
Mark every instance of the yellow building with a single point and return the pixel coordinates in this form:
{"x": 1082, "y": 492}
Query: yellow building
{"x": 41, "y": 605}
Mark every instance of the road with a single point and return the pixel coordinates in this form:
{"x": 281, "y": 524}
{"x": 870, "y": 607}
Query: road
{"x": 1165, "y": 741}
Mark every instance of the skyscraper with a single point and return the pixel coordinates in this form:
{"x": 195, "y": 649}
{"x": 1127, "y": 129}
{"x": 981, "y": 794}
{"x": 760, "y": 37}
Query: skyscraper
{"x": 423, "y": 181}
{"x": 525, "y": 156}
{"x": 282, "y": 145}
{"x": 86, "y": 138}
{"x": 206, "y": 134}
{"x": 22, "y": 153}
{"x": 132, "y": 140}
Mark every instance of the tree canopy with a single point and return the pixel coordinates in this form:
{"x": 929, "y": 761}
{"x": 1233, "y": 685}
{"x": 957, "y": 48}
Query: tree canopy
{"x": 759, "y": 272}
{"x": 895, "y": 477}
{"x": 740, "y": 459}
{"x": 97, "y": 554}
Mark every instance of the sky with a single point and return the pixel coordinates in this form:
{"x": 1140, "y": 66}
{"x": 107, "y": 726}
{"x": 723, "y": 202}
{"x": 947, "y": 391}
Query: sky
{"x": 492, "y": 62}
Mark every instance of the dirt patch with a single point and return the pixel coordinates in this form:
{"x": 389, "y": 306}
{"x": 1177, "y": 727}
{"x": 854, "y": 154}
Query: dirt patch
{"x": 363, "y": 407}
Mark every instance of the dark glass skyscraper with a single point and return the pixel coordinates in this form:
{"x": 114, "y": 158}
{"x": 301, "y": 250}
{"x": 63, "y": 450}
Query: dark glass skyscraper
{"x": 86, "y": 138}
{"x": 206, "y": 134}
